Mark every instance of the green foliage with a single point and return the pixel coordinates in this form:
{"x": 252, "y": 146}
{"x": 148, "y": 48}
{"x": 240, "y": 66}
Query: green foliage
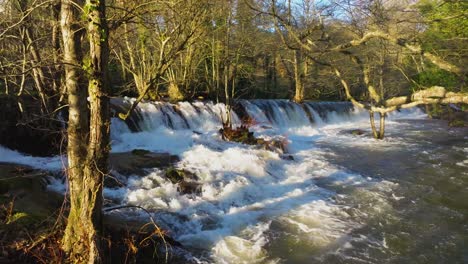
{"x": 445, "y": 20}
{"x": 434, "y": 76}
{"x": 87, "y": 9}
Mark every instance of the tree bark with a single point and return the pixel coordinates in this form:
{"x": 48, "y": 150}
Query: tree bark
{"x": 382, "y": 126}
{"x": 299, "y": 86}
{"x": 372, "y": 122}
{"x": 380, "y": 133}
{"x": 88, "y": 139}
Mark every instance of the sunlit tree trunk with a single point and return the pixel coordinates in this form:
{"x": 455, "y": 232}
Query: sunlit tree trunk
{"x": 378, "y": 133}
{"x": 88, "y": 139}
{"x": 298, "y": 76}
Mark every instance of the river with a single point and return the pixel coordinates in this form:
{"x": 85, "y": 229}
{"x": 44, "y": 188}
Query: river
{"x": 334, "y": 197}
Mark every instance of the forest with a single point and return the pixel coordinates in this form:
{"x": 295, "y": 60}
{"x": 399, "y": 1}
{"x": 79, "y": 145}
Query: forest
{"x": 84, "y": 81}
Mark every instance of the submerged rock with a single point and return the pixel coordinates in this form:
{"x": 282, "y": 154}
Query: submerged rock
{"x": 354, "y": 132}
{"x": 187, "y": 187}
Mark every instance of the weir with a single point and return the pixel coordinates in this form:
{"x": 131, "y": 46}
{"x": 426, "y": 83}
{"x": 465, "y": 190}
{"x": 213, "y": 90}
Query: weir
{"x": 206, "y": 115}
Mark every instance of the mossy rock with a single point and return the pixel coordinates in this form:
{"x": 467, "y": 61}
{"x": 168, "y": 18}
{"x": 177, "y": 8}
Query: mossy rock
{"x": 178, "y": 175}
{"x": 175, "y": 175}
{"x": 240, "y": 134}
{"x": 185, "y": 181}
{"x": 457, "y": 123}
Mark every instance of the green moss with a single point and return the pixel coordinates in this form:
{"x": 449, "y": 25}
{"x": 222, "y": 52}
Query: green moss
{"x": 175, "y": 175}
{"x": 456, "y": 123}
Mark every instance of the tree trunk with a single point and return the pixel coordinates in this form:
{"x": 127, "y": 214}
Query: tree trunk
{"x": 380, "y": 133}
{"x": 382, "y": 126}
{"x": 78, "y": 116}
{"x": 299, "y": 86}
{"x": 88, "y": 140}
{"x": 372, "y": 122}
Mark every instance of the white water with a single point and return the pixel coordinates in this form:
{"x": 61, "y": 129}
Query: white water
{"x": 252, "y": 196}
{"x": 253, "y": 201}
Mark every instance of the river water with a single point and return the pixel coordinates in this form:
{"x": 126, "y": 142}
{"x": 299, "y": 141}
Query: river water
{"x": 334, "y": 197}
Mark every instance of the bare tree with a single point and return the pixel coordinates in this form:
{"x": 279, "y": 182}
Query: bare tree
{"x": 363, "y": 32}
{"x": 154, "y": 40}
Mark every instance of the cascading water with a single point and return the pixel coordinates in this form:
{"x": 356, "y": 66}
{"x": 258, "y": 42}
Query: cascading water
{"x": 336, "y": 198}
{"x": 199, "y": 115}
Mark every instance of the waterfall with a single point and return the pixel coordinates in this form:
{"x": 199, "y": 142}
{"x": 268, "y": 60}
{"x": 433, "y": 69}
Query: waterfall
{"x": 207, "y": 116}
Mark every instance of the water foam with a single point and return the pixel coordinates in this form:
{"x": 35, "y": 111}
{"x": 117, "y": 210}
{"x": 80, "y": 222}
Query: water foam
{"x": 252, "y": 200}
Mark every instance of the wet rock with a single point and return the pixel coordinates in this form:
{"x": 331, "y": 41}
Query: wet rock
{"x": 175, "y": 175}
{"x": 287, "y": 157}
{"x": 136, "y": 161}
{"x": 243, "y": 135}
{"x": 240, "y": 134}
{"x": 17, "y": 178}
{"x": 275, "y": 145}
{"x": 186, "y": 181}
{"x": 354, "y": 132}
{"x": 187, "y": 187}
